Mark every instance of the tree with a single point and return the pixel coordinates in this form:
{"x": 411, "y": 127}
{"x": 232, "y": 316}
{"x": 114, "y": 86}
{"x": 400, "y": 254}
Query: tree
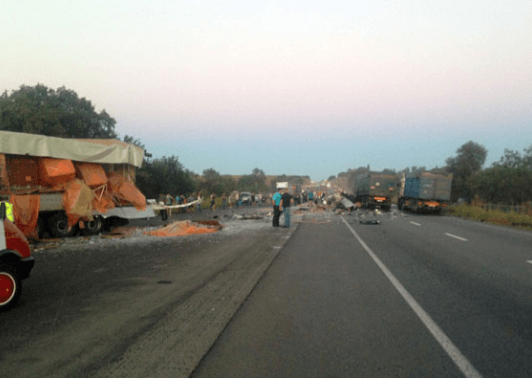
{"x": 211, "y": 182}
{"x": 165, "y": 176}
{"x": 508, "y": 181}
{"x": 255, "y": 182}
{"x": 59, "y": 113}
{"x": 469, "y": 160}
{"x": 258, "y": 180}
{"x": 228, "y": 184}
{"x": 136, "y": 142}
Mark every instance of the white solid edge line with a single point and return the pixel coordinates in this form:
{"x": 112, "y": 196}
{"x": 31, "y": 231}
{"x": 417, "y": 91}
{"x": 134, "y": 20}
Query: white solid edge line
{"x": 456, "y": 237}
{"x": 452, "y": 351}
{"x": 415, "y": 224}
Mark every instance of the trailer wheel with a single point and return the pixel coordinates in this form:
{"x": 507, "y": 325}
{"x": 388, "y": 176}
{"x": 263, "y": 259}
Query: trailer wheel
{"x": 10, "y": 287}
{"x": 58, "y": 224}
{"x": 94, "y": 226}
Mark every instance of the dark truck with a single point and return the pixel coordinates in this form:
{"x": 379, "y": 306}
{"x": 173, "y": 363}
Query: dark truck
{"x": 375, "y": 190}
{"x": 425, "y": 191}
{"x": 16, "y": 261}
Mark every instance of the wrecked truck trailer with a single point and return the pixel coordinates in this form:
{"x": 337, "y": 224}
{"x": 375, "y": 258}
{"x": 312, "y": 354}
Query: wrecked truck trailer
{"x": 425, "y": 192}
{"x": 375, "y": 190}
{"x": 61, "y": 185}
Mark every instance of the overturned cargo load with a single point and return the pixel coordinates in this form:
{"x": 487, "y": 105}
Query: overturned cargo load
{"x": 62, "y": 184}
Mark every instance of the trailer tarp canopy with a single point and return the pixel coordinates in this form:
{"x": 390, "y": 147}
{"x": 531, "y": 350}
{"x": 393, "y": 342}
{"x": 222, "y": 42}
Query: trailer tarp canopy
{"x": 102, "y": 151}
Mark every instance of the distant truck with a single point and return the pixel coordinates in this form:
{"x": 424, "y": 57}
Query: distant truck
{"x": 62, "y": 184}
{"x": 375, "y": 190}
{"x": 425, "y": 192}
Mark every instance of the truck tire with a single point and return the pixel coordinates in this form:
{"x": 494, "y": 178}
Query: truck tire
{"x": 10, "y": 287}
{"x": 58, "y": 225}
{"x": 94, "y": 226}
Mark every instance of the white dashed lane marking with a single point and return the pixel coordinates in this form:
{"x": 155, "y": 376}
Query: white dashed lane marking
{"x": 456, "y": 237}
{"x": 415, "y": 224}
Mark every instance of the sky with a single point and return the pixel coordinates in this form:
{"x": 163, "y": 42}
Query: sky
{"x": 290, "y": 87}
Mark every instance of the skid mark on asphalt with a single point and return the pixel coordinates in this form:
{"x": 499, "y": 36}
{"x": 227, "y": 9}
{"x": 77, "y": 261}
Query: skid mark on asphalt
{"x": 448, "y": 346}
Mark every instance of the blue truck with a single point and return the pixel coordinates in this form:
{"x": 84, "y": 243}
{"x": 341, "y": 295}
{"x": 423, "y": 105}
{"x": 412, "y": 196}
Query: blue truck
{"x": 425, "y": 192}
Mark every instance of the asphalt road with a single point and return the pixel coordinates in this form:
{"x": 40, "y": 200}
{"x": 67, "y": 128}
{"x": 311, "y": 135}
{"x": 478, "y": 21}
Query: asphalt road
{"x": 134, "y": 307}
{"x": 413, "y": 296}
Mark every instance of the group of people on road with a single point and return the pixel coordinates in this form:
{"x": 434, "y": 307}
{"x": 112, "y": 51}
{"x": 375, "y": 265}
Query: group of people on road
{"x": 233, "y": 201}
{"x": 281, "y": 204}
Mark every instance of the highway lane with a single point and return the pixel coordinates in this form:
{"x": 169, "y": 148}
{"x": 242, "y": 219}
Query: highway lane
{"x": 475, "y": 284}
{"x": 325, "y": 309}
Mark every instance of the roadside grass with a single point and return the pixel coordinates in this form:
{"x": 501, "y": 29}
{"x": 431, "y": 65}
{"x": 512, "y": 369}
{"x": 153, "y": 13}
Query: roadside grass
{"x": 491, "y": 216}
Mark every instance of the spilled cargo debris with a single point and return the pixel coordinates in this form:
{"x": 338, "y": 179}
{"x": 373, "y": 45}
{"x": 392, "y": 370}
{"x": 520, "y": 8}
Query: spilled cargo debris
{"x": 183, "y": 228}
{"x": 247, "y": 217}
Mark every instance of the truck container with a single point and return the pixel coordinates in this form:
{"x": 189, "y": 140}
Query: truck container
{"x": 375, "y": 190}
{"x": 62, "y": 184}
{"x": 425, "y": 192}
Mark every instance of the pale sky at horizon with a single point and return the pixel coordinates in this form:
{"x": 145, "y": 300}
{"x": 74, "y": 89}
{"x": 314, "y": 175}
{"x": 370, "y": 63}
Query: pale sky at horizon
{"x": 293, "y": 87}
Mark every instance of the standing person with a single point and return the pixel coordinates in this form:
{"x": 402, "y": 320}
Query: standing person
{"x": 190, "y": 209}
{"x": 237, "y": 199}
{"x": 253, "y": 198}
{"x": 224, "y": 201}
{"x": 276, "y": 201}
{"x": 213, "y": 199}
{"x": 199, "y": 204}
{"x": 286, "y": 200}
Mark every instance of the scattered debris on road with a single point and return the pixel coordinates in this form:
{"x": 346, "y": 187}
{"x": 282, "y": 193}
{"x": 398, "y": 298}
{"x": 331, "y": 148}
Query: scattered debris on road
{"x": 247, "y": 217}
{"x": 182, "y": 228}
